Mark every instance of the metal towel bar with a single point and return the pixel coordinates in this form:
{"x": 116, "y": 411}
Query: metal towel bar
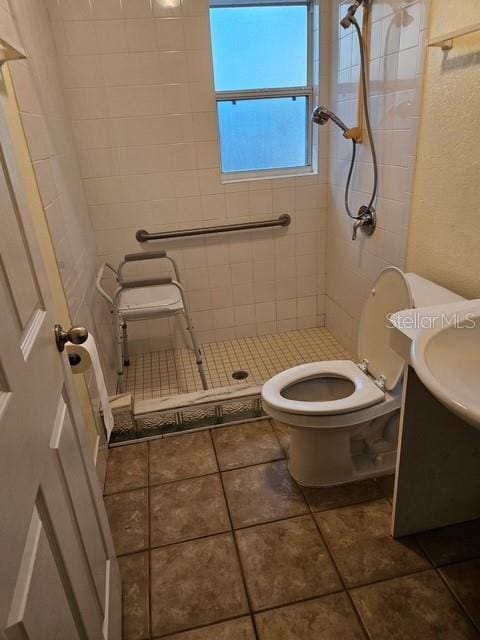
{"x": 282, "y": 221}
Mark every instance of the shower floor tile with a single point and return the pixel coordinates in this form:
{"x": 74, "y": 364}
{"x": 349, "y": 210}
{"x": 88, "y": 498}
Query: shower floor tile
{"x": 174, "y": 371}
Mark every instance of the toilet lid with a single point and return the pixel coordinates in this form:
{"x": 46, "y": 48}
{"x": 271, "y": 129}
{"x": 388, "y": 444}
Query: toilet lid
{"x": 390, "y": 293}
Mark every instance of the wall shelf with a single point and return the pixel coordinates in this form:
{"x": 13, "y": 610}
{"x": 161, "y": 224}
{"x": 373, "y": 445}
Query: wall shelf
{"x": 445, "y": 42}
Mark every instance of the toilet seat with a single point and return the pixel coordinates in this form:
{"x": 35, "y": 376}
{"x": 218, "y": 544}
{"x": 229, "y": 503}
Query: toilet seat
{"x": 365, "y": 394}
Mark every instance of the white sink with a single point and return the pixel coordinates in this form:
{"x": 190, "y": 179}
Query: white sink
{"x": 447, "y": 361}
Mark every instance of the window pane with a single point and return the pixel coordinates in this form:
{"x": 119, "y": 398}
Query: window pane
{"x": 263, "y": 134}
{"x": 259, "y": 47}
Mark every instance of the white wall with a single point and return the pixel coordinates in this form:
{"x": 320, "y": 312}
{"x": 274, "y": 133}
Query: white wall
{"x": 397, "y": 47}
{"x": 444, "y": 235}
{"x": 138, "y": 81}
{"x": 51, "y": 145}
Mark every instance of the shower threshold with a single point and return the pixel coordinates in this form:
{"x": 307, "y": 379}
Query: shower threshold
{"x": 162, "y": 417}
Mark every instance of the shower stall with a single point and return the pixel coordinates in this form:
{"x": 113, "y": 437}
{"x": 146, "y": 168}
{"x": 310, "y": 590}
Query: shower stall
{"x": 143, "y": 113}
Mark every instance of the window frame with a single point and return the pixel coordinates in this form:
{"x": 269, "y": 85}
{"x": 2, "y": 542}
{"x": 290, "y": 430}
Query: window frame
{"x": 306, "y": 92}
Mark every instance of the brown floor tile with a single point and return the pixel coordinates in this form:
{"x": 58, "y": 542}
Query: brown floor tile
{"x": 359, "y": 538}
{"x": 342, "y": 495}
{"x": 262, "y": 493}
{"x": 285, "y": 562}
{"x": 452, "y": 544}
{"x": 246, "y": 444}
{"x": 194, "y": 584}
{"x": 128, "y": 517}
{"x": 283, "y": 434}
{"x": 464, "y": 579}
{"x": 180, "y": 457}
{"x": 329, "y": 618}
{"x": 418, "y": 607}
{"x": 134, "y": 572}
{"x": 126, "y": 468}
{"x": 240, "y": 629}
{"x": 187, "y": 509}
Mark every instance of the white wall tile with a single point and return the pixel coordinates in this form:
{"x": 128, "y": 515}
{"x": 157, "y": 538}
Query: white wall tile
{"x": 80, "y": 37}
{"x": 106, "y": 9}
{"x": 221, "y": 297}
{"x": 169, "y": 34}
{"x": 243, "y": 294}
{"x": 246, "y": 331}
{"x": 244, "y": 314}
{"x": 145, "y": 125}
{"x": 111, "y": 36}
{"x": 140, "y": 35}
{"x": 137, "y": 8}
{"x": 265, "y": 312}
{"x": 223, "y": 318}
{"x": 164, "y": 9}
{"x": 49, "y": 133}
{"x": 74, "y": 9}
{"x": 395, "y": 98}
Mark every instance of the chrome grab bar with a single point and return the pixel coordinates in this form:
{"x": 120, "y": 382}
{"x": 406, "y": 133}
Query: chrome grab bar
{"x": 282, "y": 221}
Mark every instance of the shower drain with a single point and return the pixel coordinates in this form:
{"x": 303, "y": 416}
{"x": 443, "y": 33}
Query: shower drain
{"x": 240, "y": 375}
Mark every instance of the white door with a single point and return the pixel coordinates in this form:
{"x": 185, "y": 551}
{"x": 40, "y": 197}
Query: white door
{"x": 58, "y": 572}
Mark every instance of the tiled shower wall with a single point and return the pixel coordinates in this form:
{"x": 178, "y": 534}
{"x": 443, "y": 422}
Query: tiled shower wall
{"x": 397, "y": 49}
{"x": 49, "y": 136}
{"x": 138, "y": 80}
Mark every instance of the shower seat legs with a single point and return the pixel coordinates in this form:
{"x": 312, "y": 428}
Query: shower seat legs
{"x": 120, "y": 336}
{"x": 126, "y": 353}
{"x": 123, "y": 354}
{"x": 198, "y": 352}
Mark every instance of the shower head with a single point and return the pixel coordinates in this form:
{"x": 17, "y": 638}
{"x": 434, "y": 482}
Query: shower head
{"x": 321, "y": 115}
{"x": 349, "y": 18}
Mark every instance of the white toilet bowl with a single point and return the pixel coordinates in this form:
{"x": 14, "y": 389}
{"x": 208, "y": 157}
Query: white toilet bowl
{"x": 344, "y": 417}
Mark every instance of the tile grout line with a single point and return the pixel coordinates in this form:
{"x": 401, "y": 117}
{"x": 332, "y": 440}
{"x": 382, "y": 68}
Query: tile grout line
{"x": 391, "y": 578}
{"x": 456, "y": 597}
{"x": 310, "y": 513}
{"x": 290, "y": 348}
{"x": 345, "y": 589}
{"x": 208, "y": 535}
{"x": 237, "y": 552}
{"x": 198, "y": 628}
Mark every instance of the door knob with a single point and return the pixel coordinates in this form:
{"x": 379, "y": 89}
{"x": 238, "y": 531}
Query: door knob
{"x": 77, "y": 335}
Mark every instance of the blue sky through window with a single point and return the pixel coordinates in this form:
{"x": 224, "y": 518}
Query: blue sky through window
{"x": 261, "y": 48}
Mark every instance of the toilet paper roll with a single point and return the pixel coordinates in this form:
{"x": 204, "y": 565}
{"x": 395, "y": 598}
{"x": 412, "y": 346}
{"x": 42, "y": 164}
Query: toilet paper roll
{"x": 82, "y": 358}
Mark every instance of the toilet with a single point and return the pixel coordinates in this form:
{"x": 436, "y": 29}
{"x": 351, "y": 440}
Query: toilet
{"x": 344, "y": 417}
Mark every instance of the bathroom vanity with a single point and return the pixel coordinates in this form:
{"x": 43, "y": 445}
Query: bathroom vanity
{"x": 437, "y": 479}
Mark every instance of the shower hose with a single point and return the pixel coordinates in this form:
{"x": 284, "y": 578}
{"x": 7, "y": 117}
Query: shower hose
{"x": 369, "y": 132}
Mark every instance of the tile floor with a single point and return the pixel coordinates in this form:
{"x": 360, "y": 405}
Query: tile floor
{"x": 174, "y": 371}
{"x": 217, "y": 542}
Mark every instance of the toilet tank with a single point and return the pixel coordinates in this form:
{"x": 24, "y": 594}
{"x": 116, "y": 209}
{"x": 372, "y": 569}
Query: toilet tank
{"x": 427, "y": 294}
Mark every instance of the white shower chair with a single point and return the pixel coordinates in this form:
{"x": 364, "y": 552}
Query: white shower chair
{"x": 145, "y": 299}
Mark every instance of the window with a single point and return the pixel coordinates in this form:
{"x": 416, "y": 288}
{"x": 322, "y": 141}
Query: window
{"x": 262, "y": 72}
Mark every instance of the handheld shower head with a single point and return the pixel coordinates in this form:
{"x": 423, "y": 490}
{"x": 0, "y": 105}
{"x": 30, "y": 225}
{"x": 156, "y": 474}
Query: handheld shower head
{"x": 321, "y": 115}
{"x": 349, "y": 18}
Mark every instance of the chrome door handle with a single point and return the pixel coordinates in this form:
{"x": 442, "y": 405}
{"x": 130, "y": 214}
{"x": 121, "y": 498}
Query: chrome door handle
{"x": 77, "y": 335}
